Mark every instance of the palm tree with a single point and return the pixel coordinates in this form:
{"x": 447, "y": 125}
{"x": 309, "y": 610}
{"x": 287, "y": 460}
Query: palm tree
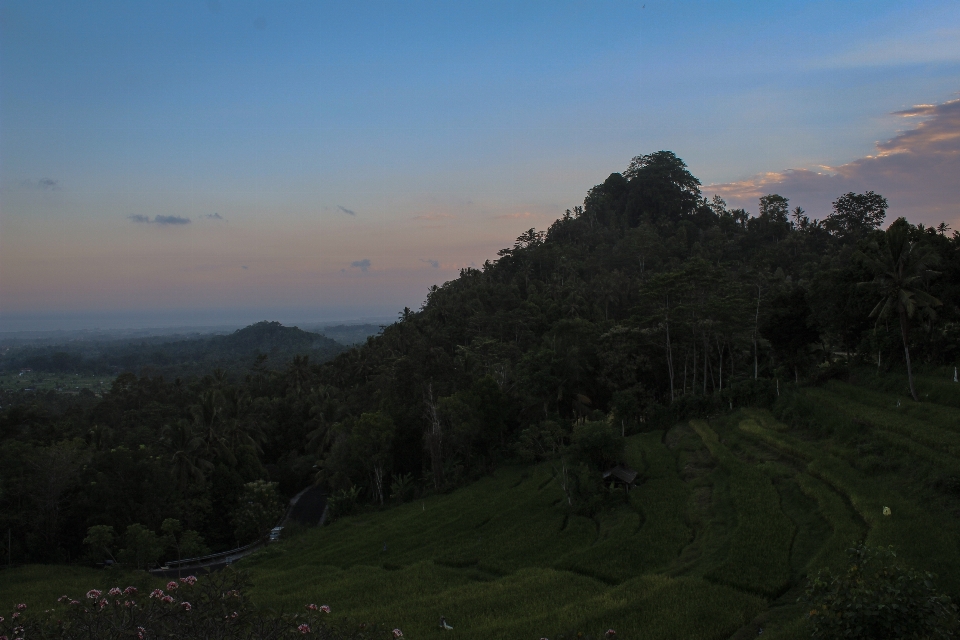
{"x": 187, "y": 454}
{"x": 900, "y": 272}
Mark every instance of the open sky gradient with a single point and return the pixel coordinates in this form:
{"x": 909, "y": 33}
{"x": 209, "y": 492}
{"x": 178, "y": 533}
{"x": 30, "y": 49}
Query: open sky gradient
{"x": 218, "y": 162}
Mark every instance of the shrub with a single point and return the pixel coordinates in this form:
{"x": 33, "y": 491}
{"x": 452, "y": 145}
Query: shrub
{"x": 260, "y": 508}
{"x": 878, "y": 598}
{"x": 343, "y": 502}
{"x": 98, "y": 542}
{"x": 212, "y": 607}
{"x": 143, "y": 547}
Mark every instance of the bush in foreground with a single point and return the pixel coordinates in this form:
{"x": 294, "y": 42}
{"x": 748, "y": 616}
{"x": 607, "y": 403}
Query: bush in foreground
{"x": 878, "y": 598}
{"x": 190, "y": 608}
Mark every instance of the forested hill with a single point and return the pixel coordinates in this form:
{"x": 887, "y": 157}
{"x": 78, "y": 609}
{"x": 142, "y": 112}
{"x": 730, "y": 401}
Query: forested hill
{"x": 646, "y": 304}
{"x": 647, "y": 295}
{"x": 236, "y": 352}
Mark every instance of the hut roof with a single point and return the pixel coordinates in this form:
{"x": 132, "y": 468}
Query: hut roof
{"x": 624, "y": 474}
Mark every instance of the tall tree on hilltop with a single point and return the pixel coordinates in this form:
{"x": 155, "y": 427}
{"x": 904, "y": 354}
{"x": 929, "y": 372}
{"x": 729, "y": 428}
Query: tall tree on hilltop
{"x": 660, "y": 186}
{"x": 901, "y": 270}
{"x": 856, "y": 213}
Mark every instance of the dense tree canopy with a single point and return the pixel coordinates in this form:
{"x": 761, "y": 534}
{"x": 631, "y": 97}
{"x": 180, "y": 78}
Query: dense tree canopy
{"x": 646, "y": 302}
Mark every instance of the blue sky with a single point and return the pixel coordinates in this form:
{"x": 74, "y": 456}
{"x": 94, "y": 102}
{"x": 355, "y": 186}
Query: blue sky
{"x": 179, "y": 163}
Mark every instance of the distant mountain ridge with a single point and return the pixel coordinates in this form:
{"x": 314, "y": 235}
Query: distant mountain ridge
{"x": 235, "y": 352}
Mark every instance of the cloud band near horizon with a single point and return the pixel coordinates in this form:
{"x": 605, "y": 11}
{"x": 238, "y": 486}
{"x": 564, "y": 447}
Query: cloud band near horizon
{"x": 918, "y": 171}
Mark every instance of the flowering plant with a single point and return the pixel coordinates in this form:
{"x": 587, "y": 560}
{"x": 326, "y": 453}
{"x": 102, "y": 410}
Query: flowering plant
{"x": 212, "y": 607}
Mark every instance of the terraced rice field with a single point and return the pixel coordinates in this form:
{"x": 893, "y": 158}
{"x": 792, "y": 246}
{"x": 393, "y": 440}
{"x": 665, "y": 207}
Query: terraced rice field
{"x": 729, "y": 516}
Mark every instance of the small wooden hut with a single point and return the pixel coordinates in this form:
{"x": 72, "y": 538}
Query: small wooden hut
{"x": 620, "y": 477}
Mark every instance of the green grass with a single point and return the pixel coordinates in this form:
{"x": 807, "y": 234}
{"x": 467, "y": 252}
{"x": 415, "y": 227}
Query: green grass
{"x": 502, "y": 559}
{"x": 63, "y": 382}
{"x": 758, "y": 551}
{"x": 922, "y": 538}
{"x": 728, "y": 517}
{"x": 925, "y": 424}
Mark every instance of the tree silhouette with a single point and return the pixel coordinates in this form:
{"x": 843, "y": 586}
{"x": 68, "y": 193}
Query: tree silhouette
{"x": 900, "y": 273}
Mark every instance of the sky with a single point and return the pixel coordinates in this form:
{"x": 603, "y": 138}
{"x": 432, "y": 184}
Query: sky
{"x": 199, "y": 163}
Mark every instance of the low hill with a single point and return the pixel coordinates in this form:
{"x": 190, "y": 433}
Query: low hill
{"x": 171, "y": 357}
{"x": 350, "y": 334}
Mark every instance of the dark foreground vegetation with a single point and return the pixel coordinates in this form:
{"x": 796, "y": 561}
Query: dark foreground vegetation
{"x": 209, "y": 607}
{"x": 580, "y": 347}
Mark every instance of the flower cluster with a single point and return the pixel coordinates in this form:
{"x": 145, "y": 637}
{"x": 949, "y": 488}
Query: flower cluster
{"x": 184, "y": 608}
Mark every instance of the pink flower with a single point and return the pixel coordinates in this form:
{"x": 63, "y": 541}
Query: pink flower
{"x": 191, "y": 580}
{"x": 130, "y": 591}
{"x": 325, "y": 608}
{"x": 21, "y": 607}
{"x": 156, "y": 593}
{"x": 167, "y": 599}
{"x": 128, "y": 603}
{"x": 311, "y": 607}
{"x": 74, "y": 602}
{"x": 304, "y": 629}
{"x": 16, "y": 615}
{"x": 186, "y": 606}
{"x": 172, "y": 585}
{"x": 4, "y": 638}
{"x": 610, "y": 634}
{"x": 397, "y": 633}
{"x": 233, "y": 615}
{"x": 141, "y": 633}
{"x": 93, "y": 594}
{"x": 102, "y": 603}
{"x": 114, "y": 592}
{"x": 63, "y": 598}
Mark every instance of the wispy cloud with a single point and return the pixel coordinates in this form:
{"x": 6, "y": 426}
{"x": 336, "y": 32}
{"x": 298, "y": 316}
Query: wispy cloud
{"x": 916, "y": 171}
{"x": 433, "y": 263}
{"x": 43, "y": 184}
{"x": 161, "y": 220}
{"x": 164, "y": 220}
{"x": 363, "y": 265}
{"x": 349, "y": 212}
{"x": 518, "y": 216}
{"x": 929, "y": 47}
{"x": 213, "y": 216}
{"x": 435, "y": 216}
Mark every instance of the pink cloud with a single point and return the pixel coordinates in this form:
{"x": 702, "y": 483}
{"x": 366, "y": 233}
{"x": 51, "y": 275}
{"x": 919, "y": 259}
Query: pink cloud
{"x": 520, "y": 215}
{"x": 918, "y": 171}
{"x": 434, "y": 216}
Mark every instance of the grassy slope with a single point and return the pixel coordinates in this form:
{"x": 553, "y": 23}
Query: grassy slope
{"x": 730, "y": 516}
{"x": 501, "y": 559}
